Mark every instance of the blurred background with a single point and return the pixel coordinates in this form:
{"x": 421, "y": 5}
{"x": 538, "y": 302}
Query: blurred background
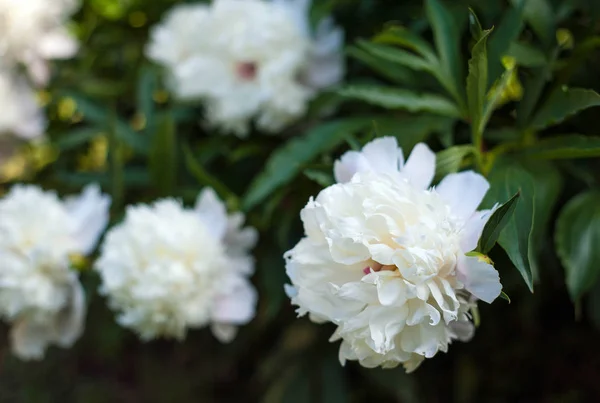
{"x": 108, "y": 106}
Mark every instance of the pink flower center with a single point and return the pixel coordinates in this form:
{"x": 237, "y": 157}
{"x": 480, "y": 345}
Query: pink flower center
{"x": 377, "y": 267}
{"x": 246, "y": 70}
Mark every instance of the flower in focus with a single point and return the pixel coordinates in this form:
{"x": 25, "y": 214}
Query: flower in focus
{"x": 39, "y": 292}
{"x": 167, "y": 269}
{"x": 33, "y": 31}
{"x": 384, "y": 256}
{"x": 251, "y": 59}
{"x": 21, "y": 114}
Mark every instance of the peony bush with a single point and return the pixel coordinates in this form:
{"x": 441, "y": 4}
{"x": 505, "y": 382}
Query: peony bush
{"x": 299, "y": 201}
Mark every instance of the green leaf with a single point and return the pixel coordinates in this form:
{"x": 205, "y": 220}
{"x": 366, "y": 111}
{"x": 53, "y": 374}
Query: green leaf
{"x": 548, "y": 187}
{"x": 577, "y": 239}
{"x": 500, "y": 41}
{"x": 494, "y": 96}
{"x": 496, "y": 223}
{"x": 146, "y": 86}
{"x": 285, "y": 162}
{"x": 477, "y": 87}
{"x": 564, "y": 147}
{"x": 539, "y": 15}
{"x": 206, "y": 179}
{"x": 450, "y": 160}
{"x": 398, "y": 98}
{"x": 504, "y": 296}
{"x": 410, "y": 130}
{"x": 116, "y": 164}
{"x": 563, "y": 103}
{"x": 446, "y": 33}
{"x": 395, "y": 55}
{"x": 163, "y": 155}
{"x": 322, "y": 178}
{"x": 526, "y": 55}
{"x": 77, "y": 137}
{"x": 475, "y": 25}
{"x": 506, "y": 179}
{"x": 387, "y": 69}
{"x": 405, "y": 38}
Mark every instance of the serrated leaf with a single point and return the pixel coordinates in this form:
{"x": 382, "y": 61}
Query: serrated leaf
{"x": 577, "y": 240}
{"x": 398, "y": 98}
{"x": 477, "y": 86}
{"x": 495, "y": 225}
{"x": 163, "y": 155}
{"x": 564, "y": 147}
{"x": 506, "y": 179}
{"x": 561, "y": 104}
{"x": 450, "y": 160}
{"x": 285, "y": 162}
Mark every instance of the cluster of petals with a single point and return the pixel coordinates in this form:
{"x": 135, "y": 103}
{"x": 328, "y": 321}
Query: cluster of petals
{"x": 384, "y": 256}
{"x": 32, "y": 32}
{"x": 40, "y": 294}
{"x": 166, "y": 269}
{"x": 248, "y": 60}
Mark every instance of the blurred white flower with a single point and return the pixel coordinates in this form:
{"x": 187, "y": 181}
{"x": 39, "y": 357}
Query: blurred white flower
{"x": 39, "y": 293}
{"x": 167, "y": 269}
{"x": 33, "y": 31}
{"x": 384, "y": 256}
{"x": 248, "y": 59}
{"x": 21, "y": 115}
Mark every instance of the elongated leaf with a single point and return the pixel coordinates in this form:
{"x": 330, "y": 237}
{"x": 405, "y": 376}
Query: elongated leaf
{"x": 410, "y": 130}
{"x": 506, "y": 179}
{"x": 447, "y": 39}
{"x": 450, "y": 160}
{"x": 387, "y": 69}
{"x": 548, "y": 186}
{"x": 563, "y": 103}
{"x": 539, "y": 15}
{"x": 395, "y": 55}
{"x": 577, "y": 242}
{"x": 475, "y": 25}
{"x": 397, "y": 98}
{"x": 77, "y": 137}
{"x": 146, "y": 86}
{"x": 401, "y": 36}
{"x": 526, "y": 55}
{"x": 496, "y": 223}
{"x": 477, "y": 86}
{"x": 206, "y": 179}
{"x": 287, "y": 161}
{"x": 565, "y": 147}
{"x": 163, "y": 156}
{"x": 500, "y": 41}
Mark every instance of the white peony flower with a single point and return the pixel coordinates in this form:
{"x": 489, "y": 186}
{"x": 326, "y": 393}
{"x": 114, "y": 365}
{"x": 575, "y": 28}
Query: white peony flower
{"x": 39, "y": 293}
{"x": 384, "y": 256}
{"x": 167, "y": 269}
{"x": 248, "y": 59}
{"x": 33, "y": 31}
{"x": 21, "y": 114}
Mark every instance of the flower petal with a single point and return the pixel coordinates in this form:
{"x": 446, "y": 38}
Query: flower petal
{"x": 225, "y": 333}
{"x": 212, "y": 211}
{"x": 473, "y": 229}
{"x": 69, "y": 323}
{"x": 463, "y": 191}
{"x": 480, "y": 278}
{"x": 29, "y": 340}
{"x": 383, "y": 155}
{"x": 420, "y": 166}
{"x": 350, "y": 163}
{"x": 238, "y": 306}
{"x": 90, "y": 216}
